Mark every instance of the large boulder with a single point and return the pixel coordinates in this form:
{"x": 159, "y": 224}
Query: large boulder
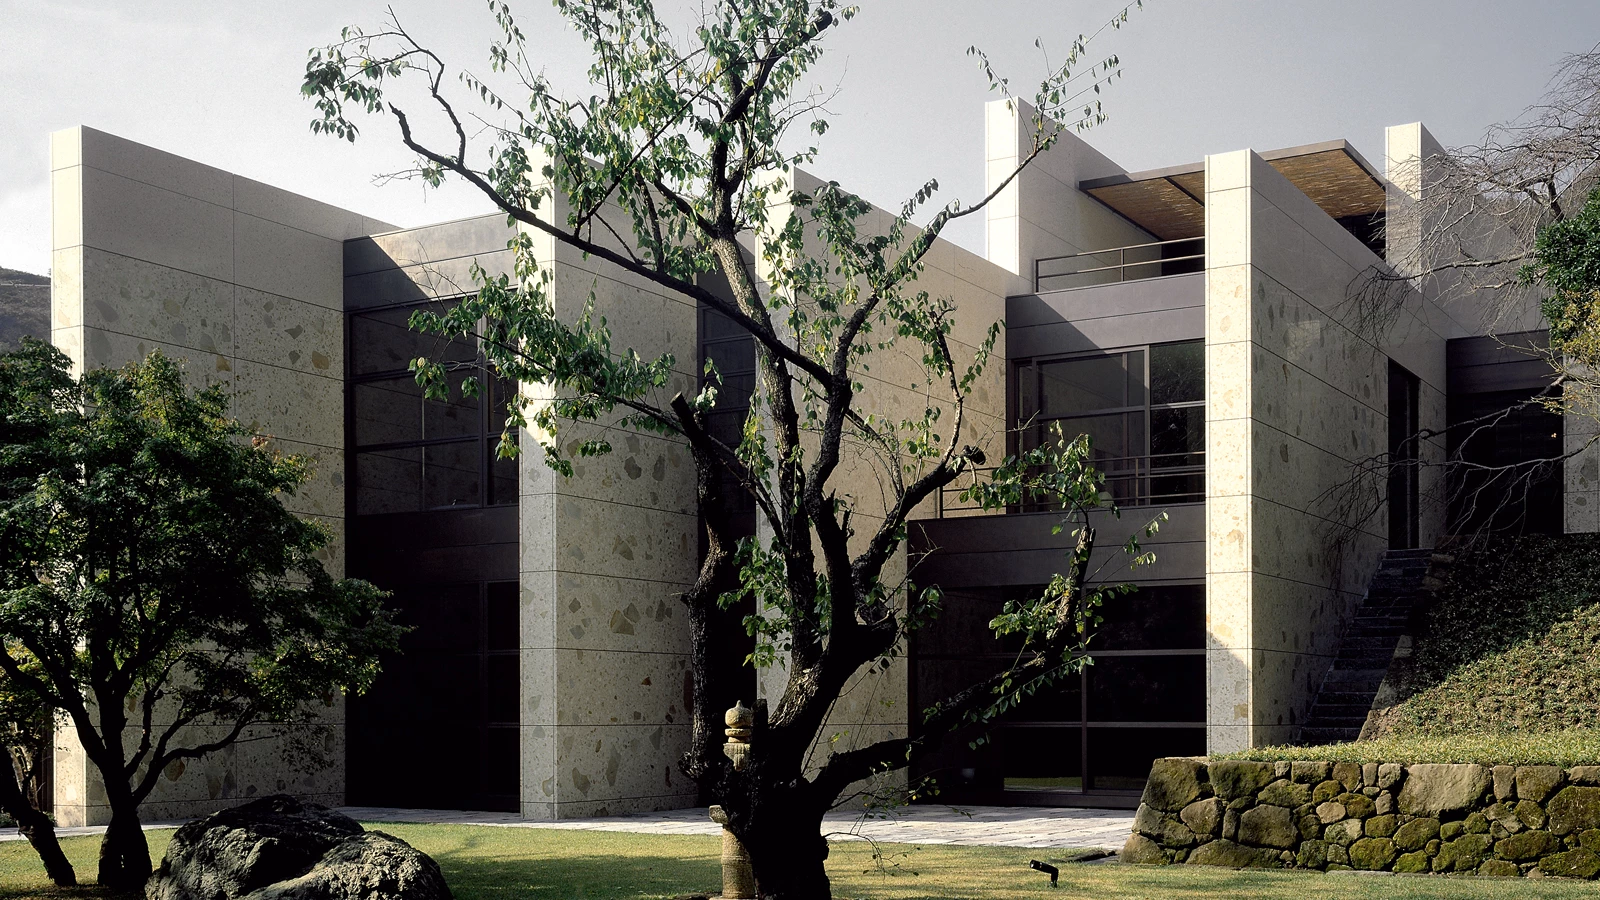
{"x": 278, "y": 848}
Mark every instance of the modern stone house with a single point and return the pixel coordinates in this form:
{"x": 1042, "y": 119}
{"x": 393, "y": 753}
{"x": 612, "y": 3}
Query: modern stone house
{"x": 1193, "y": 319}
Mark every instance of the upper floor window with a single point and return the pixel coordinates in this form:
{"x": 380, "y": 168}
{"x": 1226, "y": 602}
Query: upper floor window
{"x": 1143, "y": 409}
{"x": 411, "y": 453}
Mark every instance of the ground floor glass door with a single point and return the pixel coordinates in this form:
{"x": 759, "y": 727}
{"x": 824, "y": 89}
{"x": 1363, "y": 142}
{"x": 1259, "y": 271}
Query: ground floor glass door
{"x": 1091, "y": 735}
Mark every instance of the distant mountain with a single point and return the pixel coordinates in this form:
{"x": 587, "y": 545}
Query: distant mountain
{"x": 24, "y": 307}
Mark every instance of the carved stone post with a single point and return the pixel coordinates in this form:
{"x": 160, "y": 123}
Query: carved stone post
{"x": 738, "y": 877}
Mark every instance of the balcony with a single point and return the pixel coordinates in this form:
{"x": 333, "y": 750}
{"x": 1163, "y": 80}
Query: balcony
{"x": 1119, "y": 264}
{"x": 1159, "y": 479}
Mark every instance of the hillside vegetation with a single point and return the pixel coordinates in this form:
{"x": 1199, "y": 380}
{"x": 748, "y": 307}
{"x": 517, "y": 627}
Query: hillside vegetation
{"x": 1511, "y": 644}
{"x": 24, "y": 307}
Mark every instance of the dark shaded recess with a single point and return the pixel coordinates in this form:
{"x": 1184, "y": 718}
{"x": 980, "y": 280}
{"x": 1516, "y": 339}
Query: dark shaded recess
{"x": 1404, "y": 492}
{"x": 1488, "y": 376}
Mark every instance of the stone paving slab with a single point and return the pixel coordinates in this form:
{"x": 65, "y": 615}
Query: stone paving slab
{"x": 971, "y": 826}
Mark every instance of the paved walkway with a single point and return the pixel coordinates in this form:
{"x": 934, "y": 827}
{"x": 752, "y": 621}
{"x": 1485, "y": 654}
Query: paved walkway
{"x": 999, "y": 826}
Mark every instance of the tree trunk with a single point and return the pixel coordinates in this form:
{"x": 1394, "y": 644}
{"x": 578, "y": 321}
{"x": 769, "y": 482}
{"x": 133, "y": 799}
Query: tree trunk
{"x": 38, "y": 829}
{"x": 124, "y": 855}
{"x": 780, "y": 826}
{"x": 788, "y": 855}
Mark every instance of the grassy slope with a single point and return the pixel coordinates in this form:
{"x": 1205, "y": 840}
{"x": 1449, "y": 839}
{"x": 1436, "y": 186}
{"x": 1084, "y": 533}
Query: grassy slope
{"x": 484, "y": 863}
{"x": 1506, "y": 669}
{"x": 1512, "y": 644}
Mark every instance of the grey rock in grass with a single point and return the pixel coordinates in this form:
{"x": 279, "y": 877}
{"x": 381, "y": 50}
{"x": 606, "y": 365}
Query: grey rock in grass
{"x": 371, "y": 866}
{"x": 1432, "y": 789}
{"x": 278, "y": 848}
{"x": 1141, "y": 850}
{"x": 1578, "y": 863}
{"x": 1234, "y": 856}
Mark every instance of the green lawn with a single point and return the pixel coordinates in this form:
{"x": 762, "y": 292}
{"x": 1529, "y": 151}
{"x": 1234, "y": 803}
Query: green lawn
{"x": 534, "y": 864}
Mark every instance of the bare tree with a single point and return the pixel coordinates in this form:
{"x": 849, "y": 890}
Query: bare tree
{"x": 1463, "y": 229}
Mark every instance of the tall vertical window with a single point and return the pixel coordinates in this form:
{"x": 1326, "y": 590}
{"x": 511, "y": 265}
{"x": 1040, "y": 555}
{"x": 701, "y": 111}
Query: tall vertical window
{"x": 412, "y": 453}
{"x": 1142, "y": 408}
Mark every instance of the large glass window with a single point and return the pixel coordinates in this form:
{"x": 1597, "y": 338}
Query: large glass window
{"x": 1142, "y": 408}
{"x": 412, "y": 453}
{"x": 1142, "y": 697}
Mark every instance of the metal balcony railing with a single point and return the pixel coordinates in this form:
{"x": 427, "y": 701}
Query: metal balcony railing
{"x": 1133, "y": 262}
{"x": 1153, "y": 480}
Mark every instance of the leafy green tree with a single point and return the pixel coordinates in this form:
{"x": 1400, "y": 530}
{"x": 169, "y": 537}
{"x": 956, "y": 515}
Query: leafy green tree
{"x": 670, "y": 165}
{"x": 153, "y": 589}
{"x": 1566, "y": 263}
{"x": 25, "y": 730}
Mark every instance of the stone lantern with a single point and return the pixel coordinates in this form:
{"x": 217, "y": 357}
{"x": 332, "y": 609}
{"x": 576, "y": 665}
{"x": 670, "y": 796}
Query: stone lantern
{"x": 738, "y": 877}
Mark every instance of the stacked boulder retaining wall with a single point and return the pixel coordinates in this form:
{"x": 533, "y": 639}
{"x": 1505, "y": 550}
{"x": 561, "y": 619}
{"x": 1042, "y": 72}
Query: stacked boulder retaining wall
{"x": 1501, "y": 820}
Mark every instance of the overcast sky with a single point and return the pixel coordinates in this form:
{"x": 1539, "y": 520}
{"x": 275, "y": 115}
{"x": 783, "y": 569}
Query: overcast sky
{"x": 218, "y": 82}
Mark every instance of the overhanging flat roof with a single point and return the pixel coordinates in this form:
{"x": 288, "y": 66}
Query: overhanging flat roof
{"x": 1170, "y": 203}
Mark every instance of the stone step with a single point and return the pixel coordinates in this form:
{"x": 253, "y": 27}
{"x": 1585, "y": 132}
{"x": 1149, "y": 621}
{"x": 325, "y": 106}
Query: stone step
{"x": 1390, "y": 633}
{"x": 1355, "y": 679}
{"x": 1356, "y": 640}
{"x": 1357, "y": 710}
{"x": 1310, "y": 735}
{"x": 1344, "y": 698}
{"x": 1337, "y": 721}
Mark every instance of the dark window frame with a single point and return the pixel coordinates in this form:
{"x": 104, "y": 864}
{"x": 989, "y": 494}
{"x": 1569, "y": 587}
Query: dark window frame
{"x": 1144, "y": 465}
{"x": 485, "y": 440}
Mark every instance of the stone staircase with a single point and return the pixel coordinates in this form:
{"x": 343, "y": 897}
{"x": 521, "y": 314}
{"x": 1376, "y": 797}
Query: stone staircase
{"x": 1366, "y": 649}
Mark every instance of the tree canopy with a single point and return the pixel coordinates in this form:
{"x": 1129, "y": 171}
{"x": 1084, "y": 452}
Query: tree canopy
{"x": 167, "y": 598}
{"x": 677, "y": 160}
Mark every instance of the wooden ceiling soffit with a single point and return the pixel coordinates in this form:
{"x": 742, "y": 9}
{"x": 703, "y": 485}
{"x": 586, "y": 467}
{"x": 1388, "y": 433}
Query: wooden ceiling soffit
{"x": 1334, "y": 181}
{"x": 1157, "y": 205}
{"x": 1170, "y": 203}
